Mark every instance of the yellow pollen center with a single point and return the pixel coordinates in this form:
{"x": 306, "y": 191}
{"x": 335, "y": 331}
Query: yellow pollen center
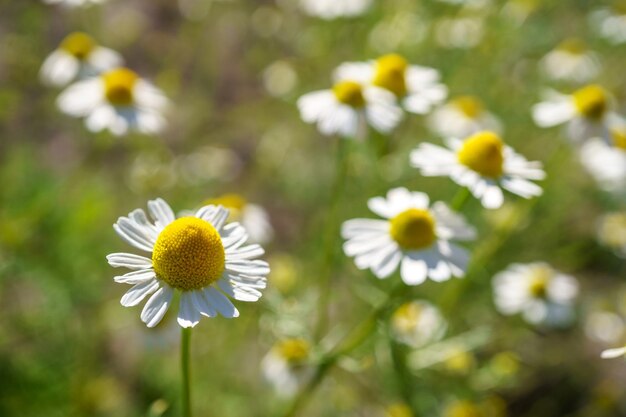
{"x": 413, "y": 229}
{"x": 293, "y": 350}
{"x": 390, "y": 74}
{"x": 619, "y": 138}
{"x": 406, "y": 317}
{"x": 573, "y": 46}
{"x": 233, "y": 202}
{"x": 483, "y": 153}
{"x": 78, "y": 44}
{"x": 538, "y": 286}
{"x": 189, "y": 254}
{"x": 469, "y": 106}
{"x": 591, "y": 101}
{"x": 118, "y": 86}
{"x": 350, "y": 93}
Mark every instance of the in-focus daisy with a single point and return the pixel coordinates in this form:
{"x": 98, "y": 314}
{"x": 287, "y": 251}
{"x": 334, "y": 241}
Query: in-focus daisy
{"x": 417, "y": 323}
{"x": 252, "y": 217}
{"x": 413, "y": 235}
{"x": 200, "y": 256}
{"x": 541, "y": 294}
{"x": 462, "y": 117}
{"x": 348, "y": 107}
{"x": 285, "y": 365}
{"x": 610, "y": 22}
{"x": 587, "y": 112}
{"x": 74, "y": 3}
{"x": 117, "y": 100}
{"x": 614, "y": 353}
{"x": 571, "y": 61}
{"x": 418, "y": 88}
{"x": 78, "y": 56}
{"x": 606, "y": 162}
{"x": 611, "y": 232}
{"x": 483, "y": 164}
{"x": 332, "y": 9}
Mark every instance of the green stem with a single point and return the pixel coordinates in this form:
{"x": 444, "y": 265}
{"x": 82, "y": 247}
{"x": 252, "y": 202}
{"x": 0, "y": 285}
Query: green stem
{"x": 405, "y": 383}
{"x": 460, "y": 199}
{"x": 185, "y": 339}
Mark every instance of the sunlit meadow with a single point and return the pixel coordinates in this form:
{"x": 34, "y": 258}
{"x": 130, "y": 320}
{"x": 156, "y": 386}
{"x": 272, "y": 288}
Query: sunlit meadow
{"x": 430, "y": 199}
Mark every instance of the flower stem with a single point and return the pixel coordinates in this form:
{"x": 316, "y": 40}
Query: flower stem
{"x": 460, "y": 199}
{"x": 184, "y": 366}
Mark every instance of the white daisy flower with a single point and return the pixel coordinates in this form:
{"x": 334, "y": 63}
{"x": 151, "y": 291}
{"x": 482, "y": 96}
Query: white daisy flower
{"x": 117, "y": 100}
{"x": 483, "y": 164}
{"x": 587, "y": 112}
{"x": 199, "y": 256}
{"x": 614, "y": 353}
{"x": 348, "y": 107}
{"x": 462, "y": 117}
{"x": 78, "y": 56}
{"x": 611, "y": 232}
{"x": 284, "y": 367}
{"x": 252, "y": 217}
{"x": 606, "y": 162}
{"x": 74, "y": 3}
{"x": 541, "y": 294}
{"x": 332, "y": 9}
{"x": 418, "y": 88}
{"x": 571, "y": 61}
{"x": 610, "y": 22}
{"x": 413, "y": 236}
{"x": 417, "y": 323}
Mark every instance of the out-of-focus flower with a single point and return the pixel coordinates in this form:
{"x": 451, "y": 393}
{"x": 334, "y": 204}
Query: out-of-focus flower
{"x": 610, "y": 22}
{"x": 461, "y": 409}
{"x": 519, "y": 10}
{"x": 348, "y": 107}
{"x": 285, "y": 365}
{"x": 462, "y": 117}
{"x": 414, "y": 237}
{"x": 461, "y": 33}
{"x": 571, "y": 61}
{"x": 614, "y": 353}
{"x": 418, "y": 88}
{"x": 279, "y": 78}
{"x": 611, "y": 232}
{"x": 332, "y": 9}
{"x": 492, "y": 406}
{"x": 397, "y": 31}
{"x": 605, "y": 326}
{"x": 398, "y": 410}
{"x": 587, "y": 112}
{"x": 459, "y": 361}
{"x": 606, "y": 162}
{"x": 117, "y": 100}
{"x": 285, "y": 272}
{"x": 74, "y": 3}
{"x": 201, "y": 256}
{"x": 417, "y": 323}
{"x": 541, "y": 294}
{"x": 78, "y": 56}
{"x": 483, "y": 164}
{"x": 252, "y": 217}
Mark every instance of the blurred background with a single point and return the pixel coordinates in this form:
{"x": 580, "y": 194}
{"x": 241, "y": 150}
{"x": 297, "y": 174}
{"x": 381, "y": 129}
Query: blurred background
{"x": 233, "y": 70}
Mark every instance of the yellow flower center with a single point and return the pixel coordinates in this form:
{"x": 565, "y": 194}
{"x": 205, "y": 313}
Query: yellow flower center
{"x": 189, "y": 254}
{"x": 591, "y": 101}
{"x": 78, "y": 44}
{"x": 350, "y": 93}
{"x": 538, "y": 286}
{"x": 118, "y": 86}
{"x": 413, "y": 229}
{"x": 293, "y": 350}
{"x": 469, "y": 106}
{"x": 389, "y": 74}
{"x": 483, "y": 153}
{"x": 619, "y": 138}
{"x": 406, "y": 317}
{"x": 573, "y": 46}
{"x": 462, "y": 409}
{"x": 233, "y": 202}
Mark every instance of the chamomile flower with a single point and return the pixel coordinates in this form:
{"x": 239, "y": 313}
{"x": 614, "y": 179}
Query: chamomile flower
{"x": 417, "y": 323}
{"x": 462, "y": 117}
{"x": 199, "y": 256}
{"x": 614, "y": 353}
{"x": 417, "y": 88}
{"x": 117, "y": 100}
{"x": 284, "y": 367}
{"x": 611, "y": 232}
{"x": 541, "y": 294}
{"x": 587, "y": 112}
{"x": 483, "y": 164}
{"x": 332, "y": 9}
{"x": 74, "y": 3}
{"x": 415, "y": 237}
{"x": 571, "y": 61}
{"x": 347, "y": 108}
{"x": 252, "y": 217}
{"x": 78, "y": 56}
{"x": 606, "y": 162}
{"x": 610, "y": 22}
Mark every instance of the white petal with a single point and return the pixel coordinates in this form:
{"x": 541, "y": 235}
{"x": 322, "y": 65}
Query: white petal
{"x": 136, "y": 277}
{"x": 81, "y": 98}
{"x": 548, "y": 114}
{"x": 202, "y": 305}
{"x": 220, "y": 303}
{"x": 161, "y": 212}
{"x": 129, "y": 260}
{"x": 413, "y": 270}
{"x": 157, "y": 306}
{"x": 137, "y": 293}
{"x": 188, "y": 314}
{"x": 249, "y": 267}
{"x": 613, "y": 353}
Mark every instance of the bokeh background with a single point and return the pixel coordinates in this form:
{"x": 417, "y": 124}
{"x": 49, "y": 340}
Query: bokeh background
{"x": 233, "y": 71}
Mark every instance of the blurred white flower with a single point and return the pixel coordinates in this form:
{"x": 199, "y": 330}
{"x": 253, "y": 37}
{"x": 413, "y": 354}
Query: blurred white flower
{"x": 412, "y": 236}
{"x": 279, "y": 78}
{"x": 483, "y": 164}
{"x": 462, "y": 33}
{"x": 332, "y": 9}
{"x": 610, "y": 22}
{"x": 201, "y": 256}
{"x": 605, "y": 327}
{"x": 117, "y": 100}
{"x": 348, "y": 107}
{"x": 418, "y": 88}
{"x": 541, "y": 294}
{"x": 462, "y": 117}
{"x": 587, "y": 113}
{"x": 285, "y": 365}
{"x": 252, "y": 217}
{"x": 74, "y": 3}
{"x": 614, "y": 353}
{"x": 606, "y": 162}
{"x": 611, "y": 232}
{"x": 571, "y": 61}
{"x": 417, "y": 323}
{"x": 78, "y": 56}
